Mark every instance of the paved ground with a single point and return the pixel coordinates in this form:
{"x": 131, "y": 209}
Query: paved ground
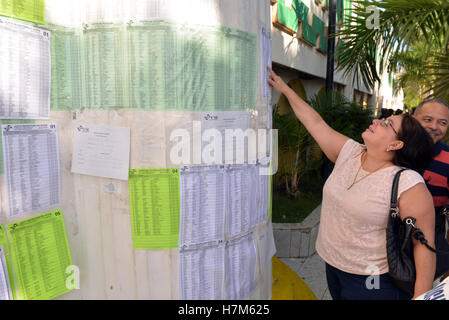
{"x": 287, "y": 285}
{"x": 312, "y": 272}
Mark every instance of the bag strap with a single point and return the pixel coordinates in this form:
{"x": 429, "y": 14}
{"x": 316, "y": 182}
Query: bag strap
{"x": 394, "y": 212}
{"x": 419, "y": 235}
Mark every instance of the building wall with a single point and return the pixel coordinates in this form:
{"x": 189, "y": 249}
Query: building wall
{"x": 293, "y": 53}
{"x": 387, "y": 99}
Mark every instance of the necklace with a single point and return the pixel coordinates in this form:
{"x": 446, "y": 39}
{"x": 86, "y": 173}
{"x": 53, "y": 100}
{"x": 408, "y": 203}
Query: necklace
{"x": 356, "y": 175}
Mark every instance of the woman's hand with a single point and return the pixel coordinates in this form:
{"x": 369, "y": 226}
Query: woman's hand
{"x": 276, "y": 82}
{"x": 329, "y": 140}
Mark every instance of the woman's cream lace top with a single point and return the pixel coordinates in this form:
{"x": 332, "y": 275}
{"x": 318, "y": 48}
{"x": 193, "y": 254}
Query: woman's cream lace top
{"x": 352, "y": 235}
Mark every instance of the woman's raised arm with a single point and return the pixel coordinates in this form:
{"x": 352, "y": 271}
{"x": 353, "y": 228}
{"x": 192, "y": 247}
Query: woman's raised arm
{"x": 329, "y": 140}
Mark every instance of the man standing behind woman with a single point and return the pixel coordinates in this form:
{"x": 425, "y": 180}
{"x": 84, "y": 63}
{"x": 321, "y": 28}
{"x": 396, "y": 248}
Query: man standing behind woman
{"x": 433, "y": 115}
{"x": 356, "y": 200}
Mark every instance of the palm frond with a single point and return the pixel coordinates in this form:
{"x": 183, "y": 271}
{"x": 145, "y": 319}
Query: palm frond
{"x": 401, "y": 23}
{"x": 439, "y": 69}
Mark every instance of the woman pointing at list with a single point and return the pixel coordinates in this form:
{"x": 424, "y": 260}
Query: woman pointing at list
{"x": 356, "y": 200}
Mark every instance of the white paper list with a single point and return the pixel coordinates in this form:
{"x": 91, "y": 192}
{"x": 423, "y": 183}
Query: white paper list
{"x": 221, "y": 202}
{"x": 101, "y": 151}
{"x": 240, "y": 272}
{"x": 5, "y": 287}
{"x": 263, "y": 194}
{"x": 25, "y": 76}
{"x": 266, "y": 246}
{"x": 202, "y": 272}
{"x": 31, "y": 160}
{"x": 203, "y": 195}
{"x": 265, "y": 43}
{"x": 242, "y": 206}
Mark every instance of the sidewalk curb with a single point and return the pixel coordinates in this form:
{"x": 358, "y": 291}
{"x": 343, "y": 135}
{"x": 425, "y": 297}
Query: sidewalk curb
{"x": 297, "y": 240}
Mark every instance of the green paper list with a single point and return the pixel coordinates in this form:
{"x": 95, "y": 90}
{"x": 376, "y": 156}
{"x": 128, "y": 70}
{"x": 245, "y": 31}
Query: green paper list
{"x": 155, "y": 207}
{"x": 40, "y": 255}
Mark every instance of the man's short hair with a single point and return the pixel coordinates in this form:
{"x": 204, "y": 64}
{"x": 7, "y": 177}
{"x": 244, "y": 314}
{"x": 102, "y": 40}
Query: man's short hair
{"x": 436, "y": 100}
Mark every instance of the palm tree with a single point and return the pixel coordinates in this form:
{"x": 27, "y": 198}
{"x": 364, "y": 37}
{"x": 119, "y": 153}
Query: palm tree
{"x": 402, "y": 23}
{"x": 411, "y": 77}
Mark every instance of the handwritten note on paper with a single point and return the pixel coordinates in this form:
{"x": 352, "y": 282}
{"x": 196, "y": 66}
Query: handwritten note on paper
{"x": 101, "y": 151}
{"x": 40, "y": 254}
{"x": 154, "y": 200}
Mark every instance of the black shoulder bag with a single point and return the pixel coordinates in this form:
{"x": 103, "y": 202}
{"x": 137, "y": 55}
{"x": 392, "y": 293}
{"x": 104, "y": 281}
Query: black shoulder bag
{"x": 401, "y": 262}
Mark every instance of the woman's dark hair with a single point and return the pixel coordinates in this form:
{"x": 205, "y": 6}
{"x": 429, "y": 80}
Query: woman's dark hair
{"x": 418, "y": 149}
